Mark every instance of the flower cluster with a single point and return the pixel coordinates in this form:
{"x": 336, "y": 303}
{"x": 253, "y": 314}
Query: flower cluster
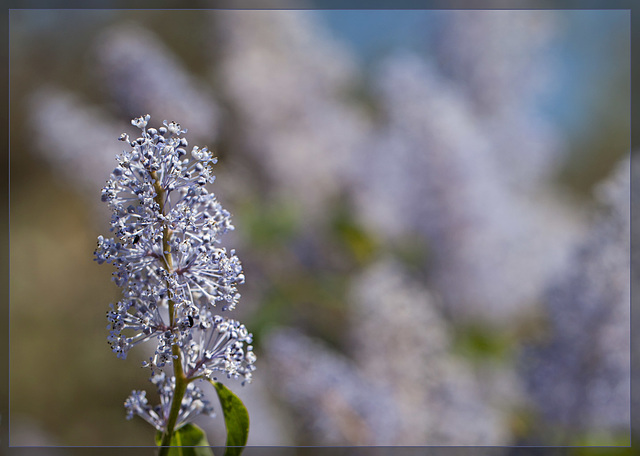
{"x": 192, "y": 404}
{"x": 170, "y": 264}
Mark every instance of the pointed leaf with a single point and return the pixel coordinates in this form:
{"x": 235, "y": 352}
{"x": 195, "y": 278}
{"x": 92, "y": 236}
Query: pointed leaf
{"x": 189, "y": 440}
{"x": 236, "y": 418}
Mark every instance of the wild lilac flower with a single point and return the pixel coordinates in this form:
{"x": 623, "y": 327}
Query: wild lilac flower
{"x": 56, "y": 115}
{"x": 286, "y": 77}
{"x": 580, "y": 377}
{"x": 168, "y": 259}
{"x": 139, "y": 72}
{"x": 506, "y": 81}
{"x": 399, "y": 339}
{"x": 336, "y": 404}
{"x": 498, "y": 73}
{"x": 491, "y": 248}
{"x": 217, "y": 345}
{"x": 193, "y": 403}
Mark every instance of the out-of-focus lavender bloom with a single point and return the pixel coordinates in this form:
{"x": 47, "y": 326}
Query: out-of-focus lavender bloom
{"x": 336, "y": 404}
{"x": 287, "y": 81}
{"x": 580, "y": 378}
{"x": 428, "y": 172}
{"x": 635, "y": 275}
{"x": 78, "y": 140}
{"x": 500, "y": 58}
{"x": 502, "y": 62}
{"x": 401, "y": 342}
{"x": 141, "y": 74}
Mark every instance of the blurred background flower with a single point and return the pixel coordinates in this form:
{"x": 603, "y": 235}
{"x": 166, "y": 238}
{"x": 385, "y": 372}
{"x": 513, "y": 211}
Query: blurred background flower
{"x": 431, "y": 208}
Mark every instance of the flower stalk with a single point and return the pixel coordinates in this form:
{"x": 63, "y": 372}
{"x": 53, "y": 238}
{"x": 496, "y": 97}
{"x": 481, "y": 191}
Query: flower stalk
{"x": 181, "y": 380}
{"x": 178, "y": 394}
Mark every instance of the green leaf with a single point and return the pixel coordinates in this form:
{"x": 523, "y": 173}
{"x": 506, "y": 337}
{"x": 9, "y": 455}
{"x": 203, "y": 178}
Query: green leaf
{"x": 189, "y": 440}
{"x": 236, "y": 418}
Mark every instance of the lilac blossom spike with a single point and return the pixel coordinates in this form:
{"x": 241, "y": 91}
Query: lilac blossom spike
{"x": 170, "y": 265}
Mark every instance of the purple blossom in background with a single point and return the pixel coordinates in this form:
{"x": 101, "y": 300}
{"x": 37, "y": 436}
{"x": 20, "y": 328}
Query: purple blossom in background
{"x": 429, "y": 172}
{"x": 400, "y": 342}
{"x": 579, "y": 377}
{"x": 76, "y": 138}
{"x": 287, "y": 79}
{"x": 140, "y": 73}
{"x": 504, "y": 80}
{"x": 335, "y": 403}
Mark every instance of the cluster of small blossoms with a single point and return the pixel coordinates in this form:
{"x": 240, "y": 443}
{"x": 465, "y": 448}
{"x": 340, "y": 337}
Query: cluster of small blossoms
{"x": 193, "y": 403}
{"x": 169, "y": 262}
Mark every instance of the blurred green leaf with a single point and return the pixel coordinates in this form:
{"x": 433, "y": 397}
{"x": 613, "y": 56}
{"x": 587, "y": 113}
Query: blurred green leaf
{"x": 268, "y": 227}
{"x": 189, "y": 440}
{"x": 236, "y": 418}
{"x": 603, "y": 443}
{"x": 478, "y": 342}
{"x": 357, "y": 241}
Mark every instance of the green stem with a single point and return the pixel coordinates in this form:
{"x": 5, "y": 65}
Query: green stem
{"x": 181, "y": 379}
{"x": 166, "y": 232}
{"x": 178, "y": 394}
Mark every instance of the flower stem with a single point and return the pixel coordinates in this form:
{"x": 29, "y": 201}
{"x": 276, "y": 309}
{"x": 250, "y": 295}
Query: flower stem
{"x": 181, "y": 379}
{"x": 181, "y": 387}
